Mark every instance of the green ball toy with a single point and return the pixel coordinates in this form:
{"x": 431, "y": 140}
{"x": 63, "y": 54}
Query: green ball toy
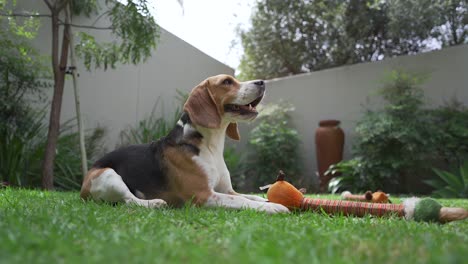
{"x": 427, "y": 210}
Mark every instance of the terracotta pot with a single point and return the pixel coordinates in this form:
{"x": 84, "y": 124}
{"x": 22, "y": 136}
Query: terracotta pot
{"x": 329, "y": 142}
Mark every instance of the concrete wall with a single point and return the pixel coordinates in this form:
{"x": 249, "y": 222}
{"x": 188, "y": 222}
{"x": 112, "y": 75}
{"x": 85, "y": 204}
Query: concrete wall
{"x": 341, "y": 93}
{"x": 121, "y": 97}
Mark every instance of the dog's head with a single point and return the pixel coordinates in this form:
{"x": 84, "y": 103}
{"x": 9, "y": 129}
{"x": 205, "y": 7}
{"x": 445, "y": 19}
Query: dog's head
{"x": 221, "y": 99}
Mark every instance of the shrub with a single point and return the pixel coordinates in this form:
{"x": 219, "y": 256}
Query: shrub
{"x": 348, "y": 176}
{"x": 23, "y": 73}
{"x": 153, "y": 126}
{"x": 22, "y": 81}
{"x": 393, "y": 142}
{"x": 450, "y": 185}
{"x": 273, "y": 146}
{"x": 451, "y": 137}
{"x": 403, "y": 139}
{"x": 67, "y": 164}
{"x": 235, "y": 163}
{"x": 23, "y": 130}
{"x": 22, "y": 149}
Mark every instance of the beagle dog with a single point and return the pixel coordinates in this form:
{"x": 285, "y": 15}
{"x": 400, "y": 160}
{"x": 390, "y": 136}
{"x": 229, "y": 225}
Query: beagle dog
{"x": 187, "y": 165}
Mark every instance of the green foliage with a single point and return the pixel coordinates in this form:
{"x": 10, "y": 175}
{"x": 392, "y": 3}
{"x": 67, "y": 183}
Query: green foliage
{"x": 154, "y": 126}
{"x": 450, "y": 185}
{"x": 291, "y": 37}
{"x": 403, "y": 139}
{"x": 286, "y": 37}
{"x": 347, "y": 176}
{"x": 22, "y": 71}
{"x": 131, "y": 23}
{"x": 274, "y": 146}
{"x": 22, "y": 83}
{"x": 67, "y": 164}
{"x": 22, "y": 149}
{"x": 23, "y": 131}
{"x": 454, "y": 18}
{"x": 85, "y": 7}
{"x": 395, "y": 141}
{"x": 451, "y": 121}
{"x": 236, "y": 166}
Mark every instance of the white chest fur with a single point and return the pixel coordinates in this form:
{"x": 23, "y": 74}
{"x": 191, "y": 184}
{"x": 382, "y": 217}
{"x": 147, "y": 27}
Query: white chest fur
{"x": 211, "y": 160}
{"x": 212, "y": 163}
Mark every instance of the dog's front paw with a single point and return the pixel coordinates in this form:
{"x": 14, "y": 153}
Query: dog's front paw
{"x": 156, "y": 203}
{"x": 274, "y": 208}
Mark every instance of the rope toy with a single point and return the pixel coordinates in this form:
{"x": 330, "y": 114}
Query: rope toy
{"x": 376, "y": 197}
{"x": 425, "y": 210}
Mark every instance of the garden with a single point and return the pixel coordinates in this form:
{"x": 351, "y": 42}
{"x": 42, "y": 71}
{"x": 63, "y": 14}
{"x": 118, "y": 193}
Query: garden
{"x": 39, "y": 227}
{"x": 403, "y": 146}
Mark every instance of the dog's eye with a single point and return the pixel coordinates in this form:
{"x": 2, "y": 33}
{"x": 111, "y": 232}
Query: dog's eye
{"x": 227, "y": 81}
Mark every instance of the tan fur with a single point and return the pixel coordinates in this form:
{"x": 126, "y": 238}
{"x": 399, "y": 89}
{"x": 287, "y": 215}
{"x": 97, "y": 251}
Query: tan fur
{"x": 86, "y": 186}
{"x": 187, "y": 180}
{"x": 232, "y": 131}
{"x": 201, "y": 101}
{"x": 210, "y": 97}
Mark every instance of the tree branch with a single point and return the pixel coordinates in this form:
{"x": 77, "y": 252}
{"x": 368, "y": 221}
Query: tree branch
{"x": 86, "y": 26}
{"x": 62, "y": 5}
{"x": 61, "y": 23}
{"x": 24, "y": 15}
{"x": 49, "y": 5}
{"x": 99, "y": 17}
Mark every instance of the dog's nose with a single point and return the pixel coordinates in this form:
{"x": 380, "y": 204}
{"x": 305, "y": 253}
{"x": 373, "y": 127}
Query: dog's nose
{"x": 261, "y": 86}
{"x": 259, "y": 83}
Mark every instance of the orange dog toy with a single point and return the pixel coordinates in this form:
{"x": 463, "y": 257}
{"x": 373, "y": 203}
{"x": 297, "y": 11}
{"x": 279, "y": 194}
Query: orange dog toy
{"x": 427, "y": 210}
{"x": 376, "y": 197}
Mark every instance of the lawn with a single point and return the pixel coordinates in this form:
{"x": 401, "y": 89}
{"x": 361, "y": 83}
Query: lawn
{"x": 55, "y": 227}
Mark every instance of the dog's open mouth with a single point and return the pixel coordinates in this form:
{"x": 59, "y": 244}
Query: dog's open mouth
{"x": 249, "y": 108}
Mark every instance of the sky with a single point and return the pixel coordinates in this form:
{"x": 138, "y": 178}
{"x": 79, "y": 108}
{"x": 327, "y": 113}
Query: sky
{"x": 208, "y": 25}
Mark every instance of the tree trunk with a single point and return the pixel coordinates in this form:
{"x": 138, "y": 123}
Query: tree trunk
{"x": 59, "y": 82}
{"x": 84, "y": 159}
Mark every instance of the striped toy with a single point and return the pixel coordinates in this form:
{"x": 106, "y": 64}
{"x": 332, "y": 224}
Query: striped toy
{"x": 426, "y": 210}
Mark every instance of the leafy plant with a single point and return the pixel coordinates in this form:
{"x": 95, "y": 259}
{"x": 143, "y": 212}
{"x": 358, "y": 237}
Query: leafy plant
{"x": 22, "y": 149}
{"x": 450, "y": 185}
{"x": 396, "y": 143}
{"x": 23, "y": 79}
{"x": 274, "y": 145}
{"x": 67, "y": 165}
{"x": 347, "y": 176}
{"x": 451, "y": 137}
{"x": 236, "y": 166}
{"x": 291, "y": 37}
{"x": 153, "y": 126}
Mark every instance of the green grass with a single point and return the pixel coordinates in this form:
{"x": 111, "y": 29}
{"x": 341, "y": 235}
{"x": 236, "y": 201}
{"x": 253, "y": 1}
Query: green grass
{"x": 53, "y": 227}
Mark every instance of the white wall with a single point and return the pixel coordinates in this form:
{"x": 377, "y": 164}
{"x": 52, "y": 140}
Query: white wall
{"x": 341, "y": 93}
{"x": 117, "y": 98}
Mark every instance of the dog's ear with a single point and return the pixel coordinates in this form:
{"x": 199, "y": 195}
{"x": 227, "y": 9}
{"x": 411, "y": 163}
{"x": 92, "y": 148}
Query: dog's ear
{"x": 202, "y": 108}
{"x": 233, "y": 131}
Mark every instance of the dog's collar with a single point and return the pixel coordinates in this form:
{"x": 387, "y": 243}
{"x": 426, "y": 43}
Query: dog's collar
{"x": 185, "y": 118}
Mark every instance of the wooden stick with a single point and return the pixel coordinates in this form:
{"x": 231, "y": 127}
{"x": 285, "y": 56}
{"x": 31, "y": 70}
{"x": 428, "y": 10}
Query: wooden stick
{"x": 448, "y": 214}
